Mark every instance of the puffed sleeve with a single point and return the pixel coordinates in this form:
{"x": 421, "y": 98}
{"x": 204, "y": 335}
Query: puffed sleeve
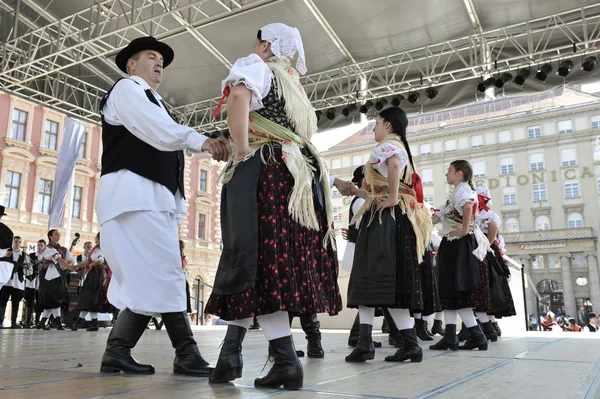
{"x": 435, "y": 239}
{"x": 254, "y": 74}
{"x": 97, "y": 256}
{"x": 383, "y": 152}
{"x": 464, "y": 195}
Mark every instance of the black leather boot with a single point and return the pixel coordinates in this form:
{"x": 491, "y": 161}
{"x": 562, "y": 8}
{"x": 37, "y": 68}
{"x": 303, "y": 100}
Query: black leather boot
{"x": 311, "y": 327}
{"x": 94, "y": 326}
{"x": 364, "y": 349}
{"x": 287, "y": 369}
{"x": 449, "y": 341}
{"x": 497, "y": 328}
{"x": 421, "y": 329}
{"x": 122, "y": 338}
{"x": 476, "y": 340}
{"x": 396, "y": 339}
{"x": 410, "y": 350}
{"x": 463, "y": 335}
{"x": 188, "y": 360}
{"x": 438, "y": 327}
{"x": 58, "y": 324}
{"x": 28, "y": 323}
{"x": 353, "y": 338}
{"x": 41, "y": 325}
{"x": 489, "y": 331}
{"x": 230, "y": 363}
{"x": 77, "y": 323}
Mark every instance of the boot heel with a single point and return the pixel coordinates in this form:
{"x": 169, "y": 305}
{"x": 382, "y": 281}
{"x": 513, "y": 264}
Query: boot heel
{"x": 295, "y": 384}
{"x": 483, "y": 347}
{"x": 108, "y": 369}
{"x": 227, "y": 376}
{"x": 416, "y": 358}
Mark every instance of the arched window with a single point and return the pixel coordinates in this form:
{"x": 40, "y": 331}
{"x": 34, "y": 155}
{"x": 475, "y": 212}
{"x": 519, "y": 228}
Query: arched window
{"x": 512, "y": 225}
{"x": 574, "y": 220}
{"x": 542, "y": 222}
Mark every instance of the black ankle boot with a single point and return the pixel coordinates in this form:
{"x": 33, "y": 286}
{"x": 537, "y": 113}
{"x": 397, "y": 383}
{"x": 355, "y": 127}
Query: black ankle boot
{"x": 188, "y": 360}
{"x": 364, "y": 348}
{"x": 94, "y": 326}
{"x": 489, "y": 331}
{"x": 449, "y": 341}
{"x": 311, "y": 327}
{"x": 42, "y": 324}
{"x": 463, "y": 335}
{"x": 77, "y": 323}
{"x": 13, "y": 317}
{"x": 287, "y": 369}
{"x": 58, "y": 324}
{"x": 476, "y": 339}
{"x": 395, "y": 339}
{"x": 421, "y": 329}
{"x": 353, "y": 338}
{"x": 230, "y": 363}
{"x": 497, "y": 328}
{"x": 122, "y": 338}
{"x": 437, "y": 328}
{"x": 410, "y": 349}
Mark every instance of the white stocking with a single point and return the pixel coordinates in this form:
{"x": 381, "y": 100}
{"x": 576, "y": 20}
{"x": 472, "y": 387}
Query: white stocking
{"x": 450, "y": 317}
{"x": 401, "y": 318}
{"x": 467, "y": 317}
{"x": 275, "y": 325}
{"x": 483, "y": 317}
{"x": 366, "y": 314}
{"x": 244, "y": 323}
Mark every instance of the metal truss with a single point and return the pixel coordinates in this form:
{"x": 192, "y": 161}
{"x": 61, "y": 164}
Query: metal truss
{"x": 522, "y": 45}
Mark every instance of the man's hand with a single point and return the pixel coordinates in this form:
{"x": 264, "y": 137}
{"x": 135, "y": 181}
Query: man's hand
{"x": 219, "y": 148}
{"x": 345, "y": 188}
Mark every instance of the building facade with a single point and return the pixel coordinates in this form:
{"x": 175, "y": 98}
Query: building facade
{"x": 536, "y": 154}
{"x": 30, "y": 139}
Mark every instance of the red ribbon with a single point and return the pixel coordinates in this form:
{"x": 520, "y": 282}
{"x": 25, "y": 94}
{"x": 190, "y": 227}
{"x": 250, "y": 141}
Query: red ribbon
{"x": 226, "y": 91}
{"x": 418, "y": 187}
{"x": 482, "y": 202}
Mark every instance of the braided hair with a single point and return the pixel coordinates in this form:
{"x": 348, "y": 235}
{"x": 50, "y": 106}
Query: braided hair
{"x": 396, "y": 117}
{"x": 464, "y": 167}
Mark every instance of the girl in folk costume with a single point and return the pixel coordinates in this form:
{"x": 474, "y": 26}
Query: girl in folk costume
{"x": 462, "y": 273}
{"x": 53, "y": 290}
{"x": 278, "y": 239}
{"x": 501, "y": 300}
{"x": 93, "y": 295}
{"x": 395, "y": 231}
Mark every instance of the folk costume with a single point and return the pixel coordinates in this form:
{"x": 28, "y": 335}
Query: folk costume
{"x": 31, "y": 289}
{"x": 53, "y": 290}
{"x": 140, "y": 202}
{"x": 6, "y": 241}
{"x": 276, "y": 217}
{"x": 14, "y": 289}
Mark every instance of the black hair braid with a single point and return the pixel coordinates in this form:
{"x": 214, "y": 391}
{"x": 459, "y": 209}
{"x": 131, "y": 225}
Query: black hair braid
{"x": 471, "y": 184}
{"x": 407, "y": 147}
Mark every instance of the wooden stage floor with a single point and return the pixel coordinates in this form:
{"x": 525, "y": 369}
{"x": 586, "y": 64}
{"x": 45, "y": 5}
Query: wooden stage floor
{"x": 65, "y": 364}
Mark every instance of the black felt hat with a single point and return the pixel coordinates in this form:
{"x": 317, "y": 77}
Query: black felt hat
{"x": 144, "y": 43}
{"x": 358, "y": 175}
{"x": 2, "y": 210}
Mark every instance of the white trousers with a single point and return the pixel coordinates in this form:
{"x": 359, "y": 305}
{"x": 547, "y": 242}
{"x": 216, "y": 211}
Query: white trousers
{"x": 142, "y": 251}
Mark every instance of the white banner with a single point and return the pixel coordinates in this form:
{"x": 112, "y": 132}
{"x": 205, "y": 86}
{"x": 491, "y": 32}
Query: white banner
{"x": 72, "y": 139}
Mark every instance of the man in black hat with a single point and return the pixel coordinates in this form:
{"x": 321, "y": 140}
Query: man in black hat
{"x": 140, "y": 202}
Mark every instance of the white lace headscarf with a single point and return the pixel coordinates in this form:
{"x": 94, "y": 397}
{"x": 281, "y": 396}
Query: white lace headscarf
{"x": 485, "y": 192}
{"x": 285, "y": 43}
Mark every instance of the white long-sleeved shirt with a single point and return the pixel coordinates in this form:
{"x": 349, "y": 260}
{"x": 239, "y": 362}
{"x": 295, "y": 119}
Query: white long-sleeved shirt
{"x": 124, "y": 191}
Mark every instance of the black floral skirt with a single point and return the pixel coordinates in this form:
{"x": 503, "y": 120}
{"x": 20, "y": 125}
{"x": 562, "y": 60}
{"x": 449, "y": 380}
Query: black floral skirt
{"x": 501, "y": 300}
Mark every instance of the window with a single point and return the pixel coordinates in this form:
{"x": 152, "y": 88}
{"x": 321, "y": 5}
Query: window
{"x": 537, "y": 262}
{"x": 510, "y": 195}
{"x": 19, "y": 125}
{"x": 479, "y": 169}
{"x": 450, "y": 145}
{"x": 425, "y": 149}
{"x": 574, "y": 220}
{"x": 536, "y": 161}
{"x": 77, "y": 202}
{"x": 504, "y": 136}
{"x": 578, "y": 261}
{"x": 572, "y": 189}
{"x": 539, "y": 192}
{"x": 476, "y": 141}
{"x": 357, "y": 160}
{"x": 45, "y": 195}
{"x": 11, "y": 190}
{"x": 427, "y": 176}
{"x": 565, "y": 127}
{"x": 337, "y": 214}
{"x": 51, "y": 135}
{"x": 554, "y": 262}
{"x": 428, "y": 200}
{"x": 568, "y": 157}
{"x": 202, "y": 226}
{"x": 512, "y": 225}
{"x": 336, "y": 163}
{"x": 203, "y": 180}
{"x": 81, "y": 153}
{"x": 507, "y": 166}
{"x": 596, "y": 122}
{"x": 542, "y": 222}
{"x": 534, "y": 132}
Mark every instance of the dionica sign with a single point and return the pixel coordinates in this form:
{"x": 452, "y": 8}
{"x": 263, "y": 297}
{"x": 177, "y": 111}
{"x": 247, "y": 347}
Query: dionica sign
{"x": 546, "y": 176}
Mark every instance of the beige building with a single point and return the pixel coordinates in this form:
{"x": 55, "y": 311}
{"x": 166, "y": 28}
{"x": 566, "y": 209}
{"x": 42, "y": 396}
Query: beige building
{"x": 536, "y": 154}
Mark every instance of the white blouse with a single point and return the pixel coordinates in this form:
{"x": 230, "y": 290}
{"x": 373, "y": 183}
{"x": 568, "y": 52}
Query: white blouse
{"x": 53, "y": 255}
{"x": 254, "y": 74}
{"x": 484, "y": 218}
{"x": 383, "y": 152}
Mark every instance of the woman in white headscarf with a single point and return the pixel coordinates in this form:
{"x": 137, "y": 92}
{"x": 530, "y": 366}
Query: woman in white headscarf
{"x": 278, "y": 253}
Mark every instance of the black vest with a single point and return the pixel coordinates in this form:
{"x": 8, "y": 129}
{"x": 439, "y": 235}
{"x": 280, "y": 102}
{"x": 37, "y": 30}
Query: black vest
{"x": 123, "y": 150}
{"x": 591, "y": 327}
{"x": 352, "y": 229}
{"x": 18, "y": 266}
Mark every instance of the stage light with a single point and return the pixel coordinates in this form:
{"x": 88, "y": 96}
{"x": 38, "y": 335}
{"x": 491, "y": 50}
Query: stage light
{"x": 503, "y": 80}
{"x": 431, "y": 93}
{"x": 350, "y": 108}
{"x": 565, "y": 67}
{"x": 330, "y": 114}
{"x": 413, "y": 97}
{"x": 543, "y": 73}
{"x": 589, "y": 63}
{"x": 319, "y": 114}
{"x": 366, "y": 106}
{"x": 380, "y": 104}
{"x": 486, "y": 84}
{"x": 396, "y": 101}
{"x": 522, "y": 77}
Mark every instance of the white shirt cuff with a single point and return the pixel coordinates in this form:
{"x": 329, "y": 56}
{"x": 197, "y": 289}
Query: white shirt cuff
{"x": 331, "y": 181}
{"x": 195, "y": 141}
